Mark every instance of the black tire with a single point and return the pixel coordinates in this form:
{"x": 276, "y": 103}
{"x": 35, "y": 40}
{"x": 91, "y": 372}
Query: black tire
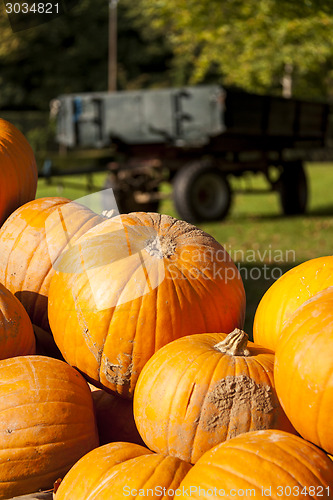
{"x": 293, "y": 189}
{"x": 125, "y": 199}
{"x": 201, "y": 193}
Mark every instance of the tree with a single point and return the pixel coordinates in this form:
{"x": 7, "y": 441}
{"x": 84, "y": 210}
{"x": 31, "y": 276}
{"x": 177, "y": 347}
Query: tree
{"x": 69, "y": 54}
{"x": 250, "y": 43}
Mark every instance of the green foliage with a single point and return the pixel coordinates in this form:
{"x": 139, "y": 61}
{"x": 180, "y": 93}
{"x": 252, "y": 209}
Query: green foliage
{"x": 249, "y": 43}
{"x": 144, "y": 54}
{"x": 243, "y": 43}
{"x": 41, "y": 138}
{"x": 70, "y": 54}
{"x": 61, "y": 55}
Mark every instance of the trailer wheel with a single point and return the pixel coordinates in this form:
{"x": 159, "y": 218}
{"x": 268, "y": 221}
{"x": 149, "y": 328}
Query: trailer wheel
{"x": 125, "y": 199}
{"x": 293, "y": 189}
{"x": 201, "y": 193}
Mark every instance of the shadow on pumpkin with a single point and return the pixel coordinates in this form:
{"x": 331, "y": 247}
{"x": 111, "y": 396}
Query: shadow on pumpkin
{"x": 257, "y": 278}
{"x": 36, "y": 307}
{"x": 45, "y": 345}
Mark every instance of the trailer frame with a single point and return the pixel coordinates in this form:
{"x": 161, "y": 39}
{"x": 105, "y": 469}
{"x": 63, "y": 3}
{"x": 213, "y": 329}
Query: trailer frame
{"x": 196, "y": 138}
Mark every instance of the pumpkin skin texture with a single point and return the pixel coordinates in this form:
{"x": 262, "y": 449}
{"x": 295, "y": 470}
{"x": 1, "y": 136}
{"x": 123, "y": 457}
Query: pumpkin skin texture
{"x": 288, "y": 293}
{"x": 18, "y": 172}
{"x": 47, "y": 422}
{"x": 115, "y": 419}
{"x": 304, "y": 370}
{"x": 203, "y": 389}
{"x": 25, "y": 263}
{"x": 16, "y": 332}
{"x": 274, "y": 461}
{"x": 115, "y": 469}
{"x": 148, "y": 279}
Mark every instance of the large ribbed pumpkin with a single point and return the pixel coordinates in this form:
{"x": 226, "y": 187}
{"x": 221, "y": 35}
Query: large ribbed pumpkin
{"x": 119, "y": 470}
{"x": 16, "y": 332}
{"x": 289, "y": 292}
{"x": 47, "y": 422}
{"x": 261, "y": 464}
{"x": 18, "y": 170}
{"x": 203, "y": 389}
{"x": 131, "y": 285}
{"x": 304, "y": 369}
{"x": 25, "y": 262}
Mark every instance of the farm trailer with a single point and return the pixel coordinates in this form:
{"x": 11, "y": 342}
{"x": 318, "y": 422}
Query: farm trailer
{"x": 196, "y": 138}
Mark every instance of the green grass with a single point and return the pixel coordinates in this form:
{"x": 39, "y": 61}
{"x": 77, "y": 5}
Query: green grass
{"x": 262, "y": 242}
{"x": 71, "y": 186}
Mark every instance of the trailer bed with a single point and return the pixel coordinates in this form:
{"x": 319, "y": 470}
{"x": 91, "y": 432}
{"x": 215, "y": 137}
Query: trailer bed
{"x": 195, "y": 138}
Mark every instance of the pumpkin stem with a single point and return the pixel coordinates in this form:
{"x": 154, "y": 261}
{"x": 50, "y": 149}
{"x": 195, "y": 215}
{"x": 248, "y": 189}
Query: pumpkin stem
{"x": 160, "y": 247}
{"x": 234, "y": 344}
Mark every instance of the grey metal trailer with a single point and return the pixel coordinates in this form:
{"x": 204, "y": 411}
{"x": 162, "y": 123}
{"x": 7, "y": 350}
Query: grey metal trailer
{"x": 196, "y": 138}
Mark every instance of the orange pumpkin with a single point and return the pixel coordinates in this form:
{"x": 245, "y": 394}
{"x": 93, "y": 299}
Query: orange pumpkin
{"x": 304, "y": 368}
{"x": 25, "y": 262}
{"x": 18, "y": 172}
{"x": 288, "y": 293}
{"x": 261, "y": 464}
{"x": 16, "y": 332}
{"x": 115, "y": 419}
{"x": 118, "y": 470}
{"x": 134, "y": 283}
{"x": 47, "y": 422}
{"x": 204, "y": 389}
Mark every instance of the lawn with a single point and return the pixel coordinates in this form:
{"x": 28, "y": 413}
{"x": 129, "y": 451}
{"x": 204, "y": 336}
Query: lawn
{"x": 263, "y": 243}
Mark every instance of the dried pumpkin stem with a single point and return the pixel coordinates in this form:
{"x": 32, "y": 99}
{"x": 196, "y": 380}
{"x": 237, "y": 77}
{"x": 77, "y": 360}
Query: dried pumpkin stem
{"x": 160, "y": 247}
{"x": 234, "y": 344}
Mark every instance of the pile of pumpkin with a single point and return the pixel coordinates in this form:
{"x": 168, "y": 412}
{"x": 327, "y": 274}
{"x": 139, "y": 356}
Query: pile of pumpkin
{"x": 124, "y": 369}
